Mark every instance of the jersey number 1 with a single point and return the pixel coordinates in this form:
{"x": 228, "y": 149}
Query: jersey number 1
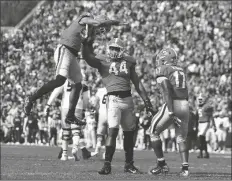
{"x": 179, "y": 79}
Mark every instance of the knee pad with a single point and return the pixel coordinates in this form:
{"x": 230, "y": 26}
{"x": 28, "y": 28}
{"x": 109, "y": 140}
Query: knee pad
{"x": 112, "y": 135}
{"x": 60, "y": 80}
{"x": 66, "y": 134}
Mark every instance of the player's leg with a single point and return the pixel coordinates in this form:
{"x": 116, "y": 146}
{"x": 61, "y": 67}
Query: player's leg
{"x": 75, "y": 78}
{"x": 202, "y": 129}
{"x": 181, "y": 110}
{"x": 129, "y": 125}
{"x": 60, "y": 57}
{"x": 101, "y": 131}
{"x": 159, "y": 123}
{"x": 113, "y": 119}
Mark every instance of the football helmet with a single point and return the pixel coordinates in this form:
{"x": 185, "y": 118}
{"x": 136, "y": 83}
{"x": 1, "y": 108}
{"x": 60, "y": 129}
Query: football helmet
{"x": 166, "y": 56}
{"x": 115, "y": 48}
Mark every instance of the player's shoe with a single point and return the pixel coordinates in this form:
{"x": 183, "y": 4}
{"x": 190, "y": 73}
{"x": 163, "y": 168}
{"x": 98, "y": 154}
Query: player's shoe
{"x": 74, "y": 153}
{"x": 60, "y": 153}
{"x": 130, "y": 168}
{"x": 106, "y": 169}
{"x": 184, "y": 171}
{"x": 64, "y": 157}
{"x": 74, "y": 120}
{"x": 28, "y": 106}
{"x": 86, "y": 154}
{"x": 159, "y": 169}
{"x": 206, "y": 155}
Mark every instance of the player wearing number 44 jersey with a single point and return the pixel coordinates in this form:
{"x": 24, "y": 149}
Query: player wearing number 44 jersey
{"x": 117, "y": 70}
{"x": 172, "y": 82}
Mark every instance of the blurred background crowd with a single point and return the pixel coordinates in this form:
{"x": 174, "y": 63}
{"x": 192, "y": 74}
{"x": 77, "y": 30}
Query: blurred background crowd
{"x": 198, "y": 30}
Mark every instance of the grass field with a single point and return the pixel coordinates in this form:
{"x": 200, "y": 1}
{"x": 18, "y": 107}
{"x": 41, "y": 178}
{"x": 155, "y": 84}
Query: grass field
{"x": 41, "y": 163}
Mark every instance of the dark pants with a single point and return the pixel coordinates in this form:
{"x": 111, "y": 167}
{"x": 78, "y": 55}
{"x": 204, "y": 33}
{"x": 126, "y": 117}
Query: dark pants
{"x": 43, "y": 136}
{"x": 53, "y": 133}
{"x": 147, "y": 141}
{"x": 10, "y": 136}
{"x": 17, "y": 134}
{"x": 31, "y": 135}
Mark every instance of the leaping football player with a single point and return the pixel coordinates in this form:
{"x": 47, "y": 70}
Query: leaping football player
{"x": 205, "y": 119}
{"x": 117, "y": 70}
{"x": 171, "y": 80}
{"x": 67, "y": 64}
{"x": 74, "y": 131}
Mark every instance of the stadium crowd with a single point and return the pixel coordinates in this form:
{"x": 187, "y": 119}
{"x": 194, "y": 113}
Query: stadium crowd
{"x": 199, "y": 31}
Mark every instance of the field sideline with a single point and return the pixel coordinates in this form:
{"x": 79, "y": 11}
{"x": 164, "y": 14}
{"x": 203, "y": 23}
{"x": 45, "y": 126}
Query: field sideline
{"x": 40, "y": 163}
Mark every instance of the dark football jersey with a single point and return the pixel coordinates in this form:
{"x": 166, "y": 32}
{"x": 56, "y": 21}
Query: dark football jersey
{"x": 177, "y": 78}
{"x": 205, "y": 113}
{"x": 116, "y": 74}
{"x": 73, "y": 35}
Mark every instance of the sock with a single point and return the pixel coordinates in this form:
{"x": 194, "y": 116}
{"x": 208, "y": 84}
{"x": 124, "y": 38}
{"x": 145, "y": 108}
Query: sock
{"x": 109, "y": 153}
{"x": 161, "y": 161}
{"x": 64, "y": 147}
{"x": 185, "y": 166}
{"x": 157, "y": 147}
{"x": 99, "y": 143}
{"x": 128, "y": 145}
{"x": 76, "y": 140}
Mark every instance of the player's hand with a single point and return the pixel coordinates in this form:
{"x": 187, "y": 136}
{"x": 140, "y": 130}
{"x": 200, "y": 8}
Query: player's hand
{"x": 176, "y": 120}
{"x": 46, "y": 109}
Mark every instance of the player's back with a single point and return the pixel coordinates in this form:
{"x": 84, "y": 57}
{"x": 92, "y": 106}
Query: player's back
{"x": 177, "y": 78}
{"x": 102, "y": 95}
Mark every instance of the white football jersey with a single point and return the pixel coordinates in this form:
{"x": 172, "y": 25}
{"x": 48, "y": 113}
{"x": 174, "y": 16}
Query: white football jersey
{"x": 66, "y": 93}
{"x": 101, "y": 95}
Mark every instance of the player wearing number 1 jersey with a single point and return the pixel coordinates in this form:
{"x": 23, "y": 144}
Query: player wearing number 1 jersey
{"x": 172, "y": 82}
{"x": 117, "y": 70}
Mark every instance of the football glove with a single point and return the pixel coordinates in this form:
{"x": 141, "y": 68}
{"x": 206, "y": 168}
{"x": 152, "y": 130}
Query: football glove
{"x": 149, "y": 107}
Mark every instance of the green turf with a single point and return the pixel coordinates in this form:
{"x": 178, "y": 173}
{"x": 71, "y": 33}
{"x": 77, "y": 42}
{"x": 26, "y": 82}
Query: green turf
{"x": 40, "y": 163}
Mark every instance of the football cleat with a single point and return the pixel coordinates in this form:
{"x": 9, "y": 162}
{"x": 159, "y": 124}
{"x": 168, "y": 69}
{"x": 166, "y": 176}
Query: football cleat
{"x": 60, "y": 153}
{"x": 28, "y": 106}
{"x": 159, "y": 170}
{"x": 184, "y": 173}
{"x": 106, "y": 169}
{"x": 130, "y": 168}
{"x": 64, "y": 157}
{"x": 74, "y": 120}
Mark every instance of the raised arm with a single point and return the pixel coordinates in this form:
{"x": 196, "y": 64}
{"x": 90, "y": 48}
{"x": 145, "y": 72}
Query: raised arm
{"x": 89, "y": 56}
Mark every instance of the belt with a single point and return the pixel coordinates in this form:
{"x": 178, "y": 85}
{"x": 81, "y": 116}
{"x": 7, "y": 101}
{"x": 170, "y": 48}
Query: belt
{"x": 120, "y": 94}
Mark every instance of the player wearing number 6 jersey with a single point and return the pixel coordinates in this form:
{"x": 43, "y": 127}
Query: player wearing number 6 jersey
{"x": 117, "y": 70}
{"x": 172, "y": 82}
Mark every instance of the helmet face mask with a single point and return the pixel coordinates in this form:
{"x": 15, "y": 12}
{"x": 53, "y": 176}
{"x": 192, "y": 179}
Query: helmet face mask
{"x": 166, "y": 56}
{"x": 115, "y": 49}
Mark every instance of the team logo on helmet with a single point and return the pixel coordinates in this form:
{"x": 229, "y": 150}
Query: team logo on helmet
{"x": 166, "y": 56}
{"x": 115, "y": 48}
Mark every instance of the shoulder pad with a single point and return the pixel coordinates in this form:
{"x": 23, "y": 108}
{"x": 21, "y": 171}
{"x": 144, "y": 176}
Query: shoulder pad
{"x": 101, "y": 57}
{"x": 129, "y": 58}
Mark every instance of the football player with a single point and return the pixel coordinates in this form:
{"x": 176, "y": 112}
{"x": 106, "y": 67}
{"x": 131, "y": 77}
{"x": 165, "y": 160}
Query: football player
{"x": 171, "y": 80}
{"x": 71, "y": 130}
{"x": 67, "y": 65}
{"x": 101, "y": 96}
{"x": 117, "y": 70}
{"x": 205, "y": 119}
